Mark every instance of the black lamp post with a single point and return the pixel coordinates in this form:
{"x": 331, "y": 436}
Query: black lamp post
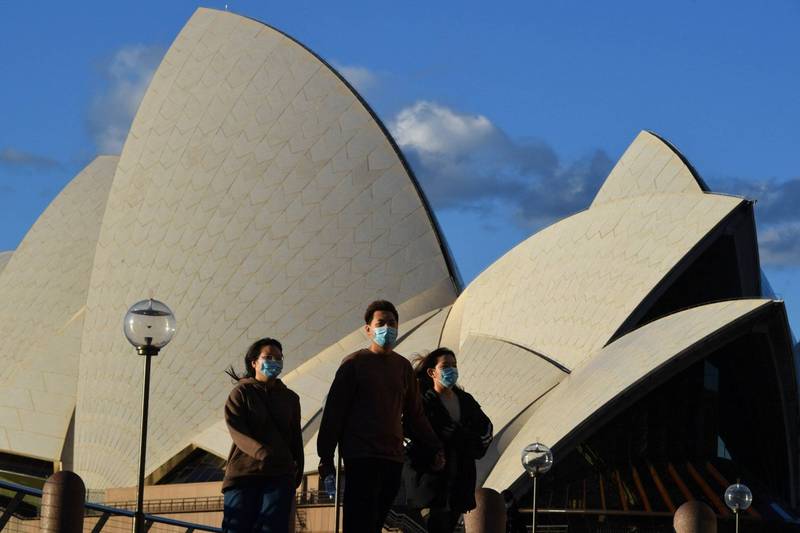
{"x": 537, "y": 459}
{"x": 149, "y": 326}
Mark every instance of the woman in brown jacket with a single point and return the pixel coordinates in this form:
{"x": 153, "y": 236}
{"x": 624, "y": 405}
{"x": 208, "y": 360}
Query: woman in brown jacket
{"x": 265, "y": 463}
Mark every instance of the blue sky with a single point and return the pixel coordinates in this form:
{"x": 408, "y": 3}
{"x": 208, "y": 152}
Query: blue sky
{"x": 511, "y": 114}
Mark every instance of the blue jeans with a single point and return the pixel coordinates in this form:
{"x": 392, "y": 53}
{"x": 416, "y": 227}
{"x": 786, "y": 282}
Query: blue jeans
{"x": 266, "y": 507}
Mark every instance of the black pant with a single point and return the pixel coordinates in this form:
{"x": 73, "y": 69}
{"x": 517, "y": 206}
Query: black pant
{"x": 369, "y": 489}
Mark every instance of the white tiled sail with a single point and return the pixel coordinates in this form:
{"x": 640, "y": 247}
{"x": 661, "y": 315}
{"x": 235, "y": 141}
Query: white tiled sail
{"x": 257, "y": 196}
{"x": 611, "y": 372}
{"x": 44, "y": 286}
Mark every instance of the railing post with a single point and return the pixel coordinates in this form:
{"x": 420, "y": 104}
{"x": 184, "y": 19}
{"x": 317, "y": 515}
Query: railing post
{"x": 98, "y": 527}
{"x": 63, "y": 498}
{"x": 10, "y": 508}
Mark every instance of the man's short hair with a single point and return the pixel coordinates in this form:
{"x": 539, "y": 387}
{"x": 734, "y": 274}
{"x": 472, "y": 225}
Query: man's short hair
{"x": 380, "y": 305}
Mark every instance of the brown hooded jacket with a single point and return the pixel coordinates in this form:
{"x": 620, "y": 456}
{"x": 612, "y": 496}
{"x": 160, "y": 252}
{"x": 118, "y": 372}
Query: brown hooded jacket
{"x": 264, "y": 422}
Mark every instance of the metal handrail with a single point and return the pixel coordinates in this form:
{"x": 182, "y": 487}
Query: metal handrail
{"x": 174, "y": 505}
{"x": 310, "y": 497}
{"x": 108, "y": 511}
{"x": 27, "y": 491}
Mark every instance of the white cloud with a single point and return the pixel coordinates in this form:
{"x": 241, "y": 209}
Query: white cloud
{"x": 464, "y": 161}
{"x": 431, "y": 128}
{"x": 26, "y": 162}
{"x": 111, "y": 111}
{"x": 361, "y": 78}
{"x": 777, "y": 216}
{"x": 779, "y": 244}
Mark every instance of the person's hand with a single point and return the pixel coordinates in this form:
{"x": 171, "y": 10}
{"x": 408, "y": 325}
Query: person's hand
{"x": 326, "y": 469}
{"x": 438, "y": 461}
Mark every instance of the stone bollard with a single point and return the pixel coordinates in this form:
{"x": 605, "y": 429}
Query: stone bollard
{"x": 490, "y": 514}
{"x": 63, "y": 498}
{"x": 695, "y": 517}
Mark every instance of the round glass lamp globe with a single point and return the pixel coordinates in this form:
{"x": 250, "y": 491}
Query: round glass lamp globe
{"x": 149, "y": 324}
{"x": 537, "y": 459}
{"x": 738, "y": 497}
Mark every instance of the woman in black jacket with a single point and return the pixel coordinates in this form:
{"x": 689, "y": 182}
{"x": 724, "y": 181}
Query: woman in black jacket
{"x": 466, "y": 433}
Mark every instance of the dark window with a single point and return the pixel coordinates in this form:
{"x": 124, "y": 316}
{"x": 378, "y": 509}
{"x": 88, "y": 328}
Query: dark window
{"x": 718, "y": 421}
{"x": 17, "y": 464}
{"x": 197, "y": 467}
{"x": 713, "y": 276}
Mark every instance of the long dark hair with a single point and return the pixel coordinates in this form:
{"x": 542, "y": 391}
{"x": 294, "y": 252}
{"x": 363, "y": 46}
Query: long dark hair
{"x": 250, "y": 356}
{"x": 423, "y": 362}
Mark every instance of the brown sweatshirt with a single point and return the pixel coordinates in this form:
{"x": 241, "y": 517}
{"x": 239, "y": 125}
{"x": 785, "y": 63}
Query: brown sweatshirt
{"x": 264, "y": 422}
{"x": 364, "y": 412}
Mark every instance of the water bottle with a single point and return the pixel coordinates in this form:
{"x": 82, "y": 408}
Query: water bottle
{"x": 330, "y": 485}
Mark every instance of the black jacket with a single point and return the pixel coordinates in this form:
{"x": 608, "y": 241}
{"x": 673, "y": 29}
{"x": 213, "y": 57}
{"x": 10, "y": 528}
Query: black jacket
{"x": 464, "y": 443}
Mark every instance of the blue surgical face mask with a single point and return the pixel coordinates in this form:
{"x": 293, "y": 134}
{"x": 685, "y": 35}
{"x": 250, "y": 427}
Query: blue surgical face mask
{"x": 448, "y": 376}
{"x": 385, "y": 336}
{"x": 271, "y": 368}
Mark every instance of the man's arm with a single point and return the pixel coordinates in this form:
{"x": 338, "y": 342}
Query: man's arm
{"x": 297, "y": 444}
{"x": 337, "y": 404}
{"x": 235, "y": 419}
{"x": 414, "y": 415}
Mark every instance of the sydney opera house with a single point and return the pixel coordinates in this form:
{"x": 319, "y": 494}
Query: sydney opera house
{"x": 258, "y": 194}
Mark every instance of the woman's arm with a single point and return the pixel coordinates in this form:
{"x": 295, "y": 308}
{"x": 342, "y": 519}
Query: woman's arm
{"x": 236, "y": 420}
{"x": 477, "y": 432}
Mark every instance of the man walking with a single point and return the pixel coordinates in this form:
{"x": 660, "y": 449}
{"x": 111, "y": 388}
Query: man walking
{"x": 373, "y": 393}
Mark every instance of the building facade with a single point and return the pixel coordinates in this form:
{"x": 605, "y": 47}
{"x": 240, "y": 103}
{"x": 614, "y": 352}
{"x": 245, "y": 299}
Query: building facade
{"x": 258, "y": 194}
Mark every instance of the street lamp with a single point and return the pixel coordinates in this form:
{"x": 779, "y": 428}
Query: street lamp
{"x": 739, "y": 498}
{"x": 537, "y": 459}
{"x": 149, "y": 326}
